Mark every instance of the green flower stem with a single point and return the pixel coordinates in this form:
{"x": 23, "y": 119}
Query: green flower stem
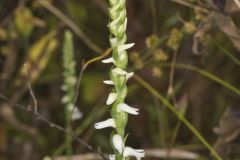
{"x": 117, "y": 27}
{"x": 119, "y": 77}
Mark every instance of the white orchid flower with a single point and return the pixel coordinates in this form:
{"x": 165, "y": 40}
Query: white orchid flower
{"x": 104, "y": 124}
{"x": 111, "y": 157}
{"x": 111, "y": 98}
{"x": 138, "y": 153}
{"x": 119, "y": 71}
{"x": 118, "y": 142}
{"x": 109, "y": 82}
{"x": 76, "y": 114}
{"x": 108, "y": 60}
{"x": 74, "y": 111}
{"x": 129, "y": 75}
{"x": 126, "y": 108}
{"x": 124, "y": 47}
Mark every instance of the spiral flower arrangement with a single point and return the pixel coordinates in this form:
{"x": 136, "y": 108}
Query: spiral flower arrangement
{"x": 119, "y": 77}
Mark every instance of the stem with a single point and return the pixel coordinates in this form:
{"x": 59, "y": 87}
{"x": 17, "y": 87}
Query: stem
{"x": 204, "y": 73}
{"x": 68, "y": 138}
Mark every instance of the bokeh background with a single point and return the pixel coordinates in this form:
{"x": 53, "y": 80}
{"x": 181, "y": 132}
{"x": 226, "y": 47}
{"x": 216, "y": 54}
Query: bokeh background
{"x": 186, "y": 51}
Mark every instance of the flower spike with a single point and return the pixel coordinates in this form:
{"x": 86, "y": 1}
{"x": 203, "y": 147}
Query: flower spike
{"x": 119, "y": 77}
{"x": 109, "y": 82}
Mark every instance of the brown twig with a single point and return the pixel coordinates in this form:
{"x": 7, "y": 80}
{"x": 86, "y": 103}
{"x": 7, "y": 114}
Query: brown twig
{"x": 77, "y": 89}
{"x": 171, "y": 91}
{"x": 237, "y": 3}
{"x": 35, "y": 103}
{"x": 106, "y": 53}
{"x": 52, "y": 125}
{"x": 198, "y": 7}
{"x": 70, "y": 24}
{"x": 84, "y": 67}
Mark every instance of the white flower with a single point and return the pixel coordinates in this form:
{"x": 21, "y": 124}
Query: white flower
{"x": 76, "y": 114}
{"x": 138, "y": 153}
{"x": 124, "y": 47}
{"x": 111, "y": 157}
{"x": 113, "y": 42}
{"x": 129, "y": 75}
{"x": 119, "y": 71}
{"x": 65, "y": 99}
{"x": 111, "y": 98}
{"x": 109, "y": 82}
{"x": 74, "y": 111}
{"x": 126, "y": 108}
{"x": 118, "y": 142}
{"x": 104, "y": 124}
{"x": 109, "y": 60}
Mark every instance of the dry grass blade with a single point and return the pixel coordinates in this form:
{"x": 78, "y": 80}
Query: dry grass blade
{"x": 51, "y": 124}
{"x": 237, "y": 3}
{"x": 70, "y": 24}
{"x": 227, "y": 26}
{"x": 88, "y": 156}
{"x": 173, "y": 153}
{"x": 184, "y": 3}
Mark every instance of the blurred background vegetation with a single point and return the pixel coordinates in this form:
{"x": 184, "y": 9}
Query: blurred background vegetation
{"x": 186, "y": 61}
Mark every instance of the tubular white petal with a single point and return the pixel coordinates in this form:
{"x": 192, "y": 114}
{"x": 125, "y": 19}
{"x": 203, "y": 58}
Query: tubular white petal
{"x": 109, "y": 60}
{"x": 119, "y": 71}
{"x": 129, "y": 75}
{"x": 124, "y": 47}
{"x": 118, "y": 142}
{"x": 109, "y": 82}
{"x": 104, "y": 124}
{"x": 111, "y": 157}
{"x": 111, "y": 98}
{"x": 126, "y": 108}
{"x": 128, "y": 151}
